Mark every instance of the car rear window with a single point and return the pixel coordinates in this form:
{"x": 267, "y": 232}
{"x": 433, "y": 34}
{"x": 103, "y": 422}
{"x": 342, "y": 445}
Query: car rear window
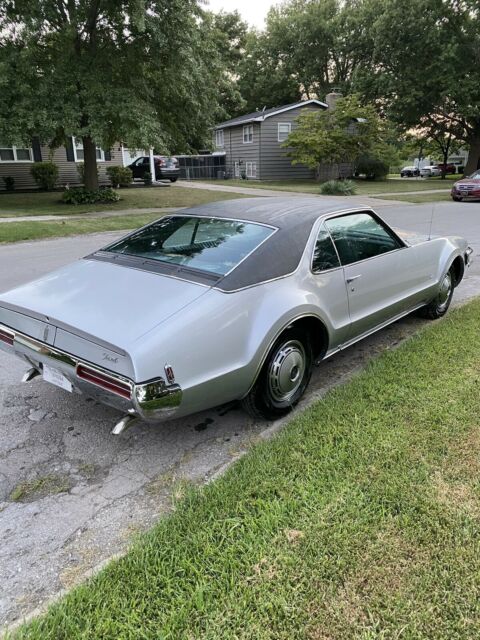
{"x": 214, "y": 245}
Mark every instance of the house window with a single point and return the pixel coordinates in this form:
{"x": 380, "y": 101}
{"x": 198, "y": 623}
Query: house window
{"x": 284, "y": 129}
{"x": 15, "y": 154}
{"x": 78, "y": 151}
{"x": 251, "y": 169}
{"x": 248, "y": 133}
{"x": 219, "y": 138}
{"x": 237, "y": 169}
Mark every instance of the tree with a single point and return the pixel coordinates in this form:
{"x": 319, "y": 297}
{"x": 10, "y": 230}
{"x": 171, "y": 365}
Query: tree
{"x": 228, "y": 34}
{"x": 308, "y": 48}
{"x": 104, "y": 71}
{"x": 428, "y": 75}
{"x": 344, "y": 134}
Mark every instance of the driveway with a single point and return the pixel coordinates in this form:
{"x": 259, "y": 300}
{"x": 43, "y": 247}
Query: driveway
{"x": 72, "y": 495}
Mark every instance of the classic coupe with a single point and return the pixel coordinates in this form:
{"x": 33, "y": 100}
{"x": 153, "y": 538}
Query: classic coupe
{"x": 227, "y": 301}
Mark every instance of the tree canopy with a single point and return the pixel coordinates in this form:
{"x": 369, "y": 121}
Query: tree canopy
{"x": 162, "y": 72}
{"x": 334, "y": 136}
{"x": 143, "y": 72}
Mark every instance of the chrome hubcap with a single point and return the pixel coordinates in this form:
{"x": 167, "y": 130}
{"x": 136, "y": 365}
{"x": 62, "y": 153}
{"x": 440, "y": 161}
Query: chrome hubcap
{"x": 444, "y": 293}
{"x": 286, "y": 371}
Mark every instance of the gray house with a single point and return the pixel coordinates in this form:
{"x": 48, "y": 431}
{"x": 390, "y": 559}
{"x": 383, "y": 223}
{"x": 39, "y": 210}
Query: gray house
{"x": 253, "y": 143}
{"x": 16, "y": 162}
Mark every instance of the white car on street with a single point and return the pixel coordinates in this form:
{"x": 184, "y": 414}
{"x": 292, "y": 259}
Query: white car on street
{"x": 431, "y": 170}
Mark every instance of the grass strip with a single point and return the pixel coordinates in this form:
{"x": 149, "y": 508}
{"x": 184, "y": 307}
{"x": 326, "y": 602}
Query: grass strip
{"x": 360, "y": 520}
{"x": 420, "y": 198}
{"x": 16, "y": 231}
{"x": 363, "y": 187}
{"x": 35, "y": 203}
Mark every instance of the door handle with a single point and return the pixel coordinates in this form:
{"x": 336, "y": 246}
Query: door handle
{"x": 353, "y": 278}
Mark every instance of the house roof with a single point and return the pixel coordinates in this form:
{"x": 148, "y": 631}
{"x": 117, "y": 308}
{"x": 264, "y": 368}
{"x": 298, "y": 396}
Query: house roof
{"x": 260, "y": 116}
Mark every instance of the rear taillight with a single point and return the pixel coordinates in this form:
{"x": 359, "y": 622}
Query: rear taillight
{"x": 104, "y": 380}
{"x": 7, "y": 336}
{"x": 161, "y": 162}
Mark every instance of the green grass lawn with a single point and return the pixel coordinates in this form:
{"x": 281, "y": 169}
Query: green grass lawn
{"x": 17, "y": 231}
{"x": 421, "y": 197}
{"x": 30, "y": 204}
{"x": 361, "y": 520}
{"x": 364, "y": 187}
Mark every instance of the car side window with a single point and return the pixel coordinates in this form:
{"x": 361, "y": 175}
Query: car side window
{"x": 324, "y": 255}
{"x": 359, "y": 236}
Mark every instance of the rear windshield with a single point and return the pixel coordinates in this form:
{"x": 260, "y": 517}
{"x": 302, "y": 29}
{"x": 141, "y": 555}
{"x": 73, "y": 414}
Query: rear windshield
{"x": 208, "y": 244}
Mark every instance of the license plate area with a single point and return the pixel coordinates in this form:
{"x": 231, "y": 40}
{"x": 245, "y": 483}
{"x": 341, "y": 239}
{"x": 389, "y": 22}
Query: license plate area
{"x": 56, "y": 377}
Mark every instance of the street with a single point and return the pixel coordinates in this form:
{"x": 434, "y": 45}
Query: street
{"x": 81, "y": 493}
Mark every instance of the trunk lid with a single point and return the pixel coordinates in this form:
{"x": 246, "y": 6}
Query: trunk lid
{"x": 103, "y": 302}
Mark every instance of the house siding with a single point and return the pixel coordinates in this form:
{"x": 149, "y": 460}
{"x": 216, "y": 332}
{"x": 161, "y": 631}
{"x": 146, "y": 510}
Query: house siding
{"x": 275, "y": 164}
{"x": 237, "y": 151}
{"x": 266, "y": 151}
{"x": 67, "y": 170}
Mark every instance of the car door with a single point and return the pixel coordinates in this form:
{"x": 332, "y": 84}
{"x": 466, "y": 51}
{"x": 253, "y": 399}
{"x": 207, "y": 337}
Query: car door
{"x": 379, "y": 275}
{"x": 328, "y": 282}
{"x": 141, "y": 166}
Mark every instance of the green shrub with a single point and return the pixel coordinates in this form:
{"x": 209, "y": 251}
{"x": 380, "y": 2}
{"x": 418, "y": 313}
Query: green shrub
{"x": 338, "y": 188}
{"x": 9, "y": 183}
{"x": 372, "y": 168}
{"x": 120, "y": 176}
{"x": 45, "y": 174}
{"x": 81, "y": 195}
{"x": 147, "y": 178}
{"x": 81, "y": 171}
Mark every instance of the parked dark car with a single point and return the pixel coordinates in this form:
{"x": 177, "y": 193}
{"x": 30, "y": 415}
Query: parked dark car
{"x": 467, "y": 187}
{"x": 410, "y": 172}
{"x": 448, "y": 168}
{"x": 166, "y": 168}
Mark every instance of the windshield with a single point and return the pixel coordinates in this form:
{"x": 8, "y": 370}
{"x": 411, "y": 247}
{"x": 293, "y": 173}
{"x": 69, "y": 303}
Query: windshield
{"x": 208, "y": 244}
{"x": 475, "y": 175}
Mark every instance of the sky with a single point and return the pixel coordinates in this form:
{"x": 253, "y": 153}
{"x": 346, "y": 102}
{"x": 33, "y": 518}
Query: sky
{"x": 253, "y": 11}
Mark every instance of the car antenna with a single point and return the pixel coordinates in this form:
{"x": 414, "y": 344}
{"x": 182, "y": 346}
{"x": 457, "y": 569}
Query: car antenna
{"x": 431, "y": 223}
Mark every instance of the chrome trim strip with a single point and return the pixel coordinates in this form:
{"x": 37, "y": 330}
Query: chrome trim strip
{"x": 368, "y": 333}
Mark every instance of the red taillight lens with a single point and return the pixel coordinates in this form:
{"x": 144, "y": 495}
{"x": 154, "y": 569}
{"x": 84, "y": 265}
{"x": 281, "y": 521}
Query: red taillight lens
{"x": 7, "y": 336}
{"x": 103, "y": 380}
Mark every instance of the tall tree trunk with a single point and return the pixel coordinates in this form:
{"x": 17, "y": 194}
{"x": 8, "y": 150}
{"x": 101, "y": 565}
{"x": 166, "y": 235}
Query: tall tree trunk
{"x": 445, "y": 154}
{"x": 90, "y": 163}
{"x": 473, "y": 161}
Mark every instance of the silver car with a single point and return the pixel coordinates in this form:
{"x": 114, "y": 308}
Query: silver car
{"x": 228, "y": 301}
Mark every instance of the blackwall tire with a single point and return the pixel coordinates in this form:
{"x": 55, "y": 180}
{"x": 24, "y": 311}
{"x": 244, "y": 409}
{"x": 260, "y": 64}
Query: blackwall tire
{"x": 438, "y": 307}
{"x": 284, "y": 377}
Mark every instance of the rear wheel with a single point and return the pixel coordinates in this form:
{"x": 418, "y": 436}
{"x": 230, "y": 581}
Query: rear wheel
{"x": 173, "y": 179}
{"x": 438, "y": 307}
{"x": 283, "y": 378}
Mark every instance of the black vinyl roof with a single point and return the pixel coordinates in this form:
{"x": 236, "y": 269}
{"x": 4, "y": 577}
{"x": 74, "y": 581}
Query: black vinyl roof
{"x": 292, "y": 219}
{"x": 280, "y": 254}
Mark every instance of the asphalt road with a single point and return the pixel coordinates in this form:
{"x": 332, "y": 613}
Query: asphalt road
{"x": 83, "y": 493}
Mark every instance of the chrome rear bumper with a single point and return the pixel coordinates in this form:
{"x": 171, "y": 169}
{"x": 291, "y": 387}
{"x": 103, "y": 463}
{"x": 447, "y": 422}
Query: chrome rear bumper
{"x": 152, "y": 401}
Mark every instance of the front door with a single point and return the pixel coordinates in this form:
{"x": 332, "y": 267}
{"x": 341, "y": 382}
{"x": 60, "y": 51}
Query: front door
{"x": 377, "y": 270}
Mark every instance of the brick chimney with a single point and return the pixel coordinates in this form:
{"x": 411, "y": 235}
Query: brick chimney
{"x": 332, "y": 97}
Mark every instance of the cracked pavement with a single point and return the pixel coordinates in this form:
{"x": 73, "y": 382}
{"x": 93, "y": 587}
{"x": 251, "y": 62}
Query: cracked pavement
{"x": 103, "y": 490}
